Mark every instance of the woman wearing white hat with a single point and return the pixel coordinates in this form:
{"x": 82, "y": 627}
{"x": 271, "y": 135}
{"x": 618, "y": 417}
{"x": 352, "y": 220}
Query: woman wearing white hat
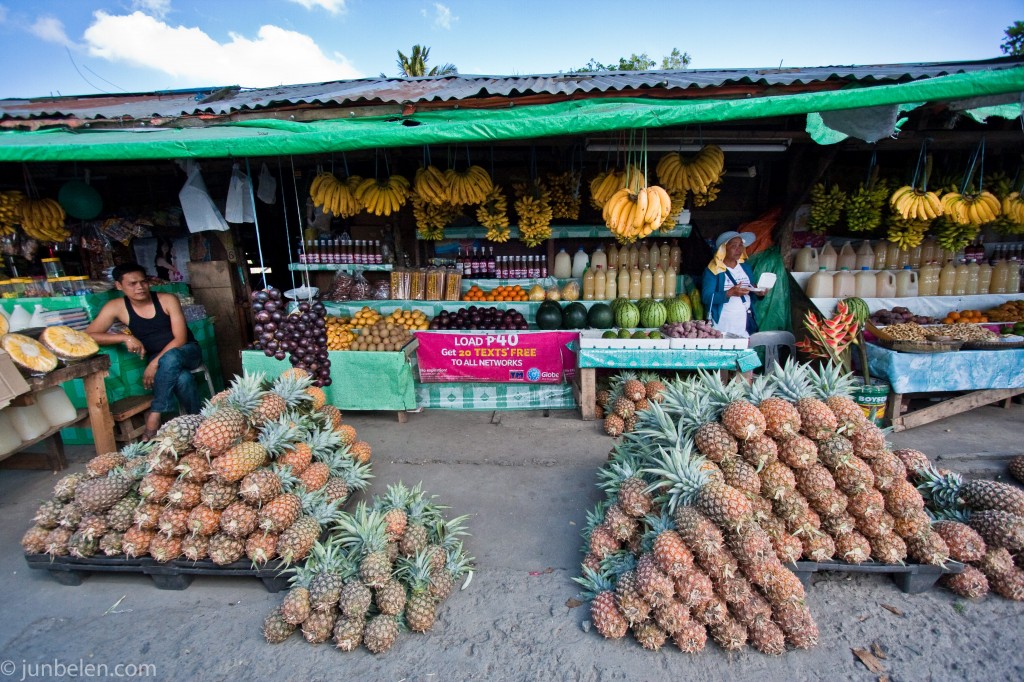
{"x": 726, "y": 287}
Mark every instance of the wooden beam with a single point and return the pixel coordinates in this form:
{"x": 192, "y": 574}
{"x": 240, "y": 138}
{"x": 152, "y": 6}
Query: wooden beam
{"x": 946, "y": 408}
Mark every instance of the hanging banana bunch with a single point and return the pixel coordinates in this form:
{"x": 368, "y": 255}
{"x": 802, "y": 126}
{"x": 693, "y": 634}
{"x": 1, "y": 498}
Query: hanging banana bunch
{"x": 383, "y": 197}
{"x": 971, "y": 209}
{"x": 43, "y": 220}
{"x": 431, "y": 185}
{"x": 469, "y": 186}
{"x": 953, "y": 236}
{"x": 565, "y": 194}
{"x": 906, "y": 233}
{"x": 701, "y": 199}
{"x": 678, "y": 201}
{"x": 635, "y": 215}
{"x": 10, "y": 210}
{"x": 826, "y": 207}
{"x": 609, "y": 182}
{"x": 493, "y": 214}
{"x": 533, "y": 206}
{"x": 695, "y": 174}
{"x": 335, "y": 196}
{"x": 1012, "y": 219}
{"x": 431, "y": 219}
{"x": 864, "y": 206}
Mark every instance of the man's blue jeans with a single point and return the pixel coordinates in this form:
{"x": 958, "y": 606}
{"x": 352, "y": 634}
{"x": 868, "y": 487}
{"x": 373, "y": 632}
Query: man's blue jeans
{"x": 174, "y": 378}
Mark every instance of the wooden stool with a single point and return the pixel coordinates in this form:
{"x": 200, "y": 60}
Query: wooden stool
{"x": 129, "y": 417}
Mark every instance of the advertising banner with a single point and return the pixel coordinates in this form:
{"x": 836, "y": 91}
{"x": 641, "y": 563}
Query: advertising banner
{"x": 527, "y": 357}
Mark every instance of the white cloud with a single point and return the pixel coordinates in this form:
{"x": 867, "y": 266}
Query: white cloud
{"x": 443, "y": 16}
{"x": 156, "y": 8}
{"x": 50, "y": 29}
{"x": 276, "y": 56}
{"x": 3, "y": 14}
{"x": 332, "y": 6}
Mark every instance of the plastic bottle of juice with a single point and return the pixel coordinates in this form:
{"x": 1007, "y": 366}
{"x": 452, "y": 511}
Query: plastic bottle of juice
{"x": 847, "y": 257}
{"x": 665, "y": 255}
{"x": 960, "y": 280}
{"x": 600, "y": 284}
{"x": 634, "y": 256}
{"x": 906, "y": 283}
{"x": 865, "y": 284}
{"x": 611, "y": 287}
{"x": 973, "y": 277}
{"x": 885, "y": 282}
{"x": 947, "y": 279}
{"x": 644, "y": 255}
{"x": 623, "y": 283}
{"x": 658, "y": 290}
{"x": 579, "y": 263}
{"x": 880, "y": 257}
{"x": 588, "y": 285}
{"x": 806, "y": 260}
{"x": 984, "y": 277}
{"x": 599, "y": 259}
{"x": 675, "y": 257}
{"x": 613, "y": 257}
{"x": 892, "y": 256}
{"x": 635, "y": 283}
{"x": 843, "y": 284}
{"x": 646, "y": 282}
{"x": 563, "y": 265}
{"x": 671, "y": 281}
{"x": 828, "y": 257}
{"x": 820, "y": 284}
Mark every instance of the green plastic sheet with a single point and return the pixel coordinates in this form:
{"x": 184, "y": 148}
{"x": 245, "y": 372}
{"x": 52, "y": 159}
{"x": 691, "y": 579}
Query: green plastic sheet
{"x": 274, "y": 138}
{"x": 772, "y": 311}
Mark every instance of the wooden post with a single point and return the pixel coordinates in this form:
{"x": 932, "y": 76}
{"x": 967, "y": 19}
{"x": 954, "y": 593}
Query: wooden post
{"x": 100, "y": 420}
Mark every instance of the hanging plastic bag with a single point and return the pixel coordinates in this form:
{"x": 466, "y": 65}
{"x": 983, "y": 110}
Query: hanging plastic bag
{"x": 239, "y": 204}
{"x": 196, "y": 205}
{"x": 267, "y": 189}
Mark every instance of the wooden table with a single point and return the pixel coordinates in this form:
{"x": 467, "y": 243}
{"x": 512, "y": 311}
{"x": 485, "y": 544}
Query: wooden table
{"x": 92, "y": 372}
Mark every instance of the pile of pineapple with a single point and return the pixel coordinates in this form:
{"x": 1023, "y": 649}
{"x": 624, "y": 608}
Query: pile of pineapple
{"x": 719, "y": 485}
{"x": 257, "y": 474}
{"x": 619, "y": 407}
{"x": 384, "y": 568}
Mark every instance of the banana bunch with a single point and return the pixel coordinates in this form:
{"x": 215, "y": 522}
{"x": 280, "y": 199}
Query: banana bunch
{"x": 695, "y": 174}
{"x": 672, "y": 219}
{"x": 906, "y": 234}
{"x": 10, "y": 210}
{"x": 431, "y": 219}
{"x": 701, "y": 199}
{"x": 431, "y": 185}
{"x": 864, "y": 207}
{"x": 826, "y": 207}
{"x": 565, "y": 194}
{"x": 493, "y": 214}
{"x": 974, "y": 209}
{"x": 383, "y": 197}
{"x": 335, "y": 196}
{"x": 470, "y": 186}
{"x": 609, "y": 182}
{"x": 952, "y": 236}
{"x": 913, "y": 203}
{"x": 43, "y": 220}
{"x": 635, "y": 215}
{"x": 1012, "y": 219}
{"x": 533, "y": 206}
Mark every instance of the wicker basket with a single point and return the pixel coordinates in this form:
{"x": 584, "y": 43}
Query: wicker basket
{"x": 920, "y": 346}
{"x": 993, "y": 345}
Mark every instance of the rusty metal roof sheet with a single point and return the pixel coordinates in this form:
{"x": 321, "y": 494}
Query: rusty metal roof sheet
{"x": 224, "y": 101}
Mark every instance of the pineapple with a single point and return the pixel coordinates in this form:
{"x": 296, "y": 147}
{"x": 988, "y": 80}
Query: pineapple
{"x": 852, "y": 547}
{"x": 913, "y": 460}
{"x": 1016, "y": 468}
{"x": 355, "y": 598}
{"x": 777, "y": 481}
{"x": 712, "y": 612}
{"x": 964, "y": 543}
{"x": 317, "y": 628}
{"x": 100, "y": 494}
{"x": 622, "y": 526}
{"x": 295, "y": 607}
{"x": 332, "y": 416}
{"x": 64, "y": 489}
{"x": 48, "y": 514}
{"x": 224, "y": 423}
{"x": 792, "y": 383}
{"x": 287, "y": 392}
{"x": 57, "y": 542}
{"x": 999, "y": 529}
{"x": 740, "y": 475}
{"x": 393, "y": 508}
{"x": 738, "y": 415}
{"x": 225, "y": 549}
{"x": 819, "y": 547}
{"x": 297, "y": 457}
{"x": 799, "y": 452}
{"x": 835, "y": 388}
{"x": 364, "y": 533}
{"x": 82, "y": 546}
{"x": 280, "y": 512}
{"x": 903, "y": 499}
{"x": 239, "y": 520}
{"x": 136, "y": 542}
{"x": 795, "y": 620}
{"x": 835, "y": 451}
{"x": 195, "y": 547}
{"x": 855, "y": 476}
{"x": 154, "y": 487}
{"x": 694, "y": 588}
{"x": 173, "y": 522}
{"x": 93, "y": 526}
{"x": 868, "y": 504}
{"x": 390, "y": 597}
{"x": 174, "y": 437}
{"x": 622, "y": 477}
{"x": 598, "y": 535}
{"x": 101, "y": 465}
{"x": 276, "y": 629}
{"x": 184, "y": 495}
{"x": 238, "y": 461}
{"x": 654, "y": 387}
{"x": 296, "y": 541}
{"x": 263, "y": 485}
{"x": 1003, "y": 576}
{"x": 112, "y": 544}
{"x": 814, "y": 482}
{"x": 656, "y": 587}
{"x": 317, "y": 397}
{"x": 71, "y": 515}
{"x": 347, "y": 434}
{"x": 729, "y": 634}
{"x": 970, "y": 584}
{"x": 261, "y": 547}
{"x": 992, "y": 495}
{"x": 767, "y": 637}
{"x": 649, "y": 635}
{"x": 315, "y": 476}
{"x": 631, "y": 603}
{"x": 203, "y": 521}
{"x": 380, "y": 633}
{"x": 147, "y": 516}
{"x": 193, "y": 468}
{"x": 361, "y": 451}
{"x": 162, "y": 463}
{"x": 888, "y": 469}
{"x": 422, "y": 513}
{"x": 928, "y": 548}
{"x": 912, "y": 526}
{"x": 760, "y": 451}
{"x": 888, "y": 549}
{"x": 34, "y": 540}
{"x": 621, "y": 405}
{"x": 420, "y": 609}
{"x": 691, "y": 638}
{"x": 614, "y": 425}
{"x": 632, "y": 388}
{"x": 604, "y": 612}
{"x": 217, "y": 494}
{"x": 165, "y": 548}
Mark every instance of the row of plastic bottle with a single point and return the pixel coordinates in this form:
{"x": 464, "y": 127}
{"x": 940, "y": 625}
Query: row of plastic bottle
{"x": 614, "y": 258}
{"x": 885, "y": 255}
{"x": 23, "y": 423}
{"x": 952, "y": 279}
{"x": 632, "y": 282}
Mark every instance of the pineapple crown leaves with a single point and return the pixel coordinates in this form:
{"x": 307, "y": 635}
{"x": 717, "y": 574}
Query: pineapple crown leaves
{"x": 289, "y": 482}
{"x": 302, "y": 575}
{"x": 593, "y": 583}
{"x": 329, "y": 557}
{"x": 655, "y": 525}
{"x": 397, "y": 496}
{"x": 697, "y": 412}
{"x": 447, "y": 533}
{"x": 960, "y": 515}
{"x": 292, "y": 389}
{"x": 623, "y": 465}
{"x": 791, "y": 380}
{"x": 677, "y": 397}
{"x": 679, "y": 470}
{"x": 316, "y": 505}
{"x": 138, "y": 449}
{"x": 422, "y": 510}
{"x": 246, "y": 392}
{"x": 614, "y": 564}
{"x": 941, "y": 492}
{"x": 459, "y": 562}
{"x": 415, "y": 570}
{"x": 595, "y": 517}
{"x": 655, "y": 424}
{"x": 356, "y": 476}
{"x": 363, "y": 531}
{"x": 829, "y": 380}
{"x": 760, "y": 389}
{"x": 276, "y": 436}
{"x": 321, "y": 441}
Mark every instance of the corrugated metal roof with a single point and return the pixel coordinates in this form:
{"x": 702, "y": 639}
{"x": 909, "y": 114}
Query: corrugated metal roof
{"x": 410, "y": 91}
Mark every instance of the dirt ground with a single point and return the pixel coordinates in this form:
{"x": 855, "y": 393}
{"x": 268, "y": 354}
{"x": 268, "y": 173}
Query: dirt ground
{"x": 527, "y": 480}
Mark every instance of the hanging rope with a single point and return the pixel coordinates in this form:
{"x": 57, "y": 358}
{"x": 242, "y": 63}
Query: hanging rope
{"x": 298, "y": 211}
{"x": 255, "y": 221}
{"x": 287, "y": 226}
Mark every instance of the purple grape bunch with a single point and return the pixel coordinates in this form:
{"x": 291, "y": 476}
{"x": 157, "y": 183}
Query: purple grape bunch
{"x": 300, "y": 336}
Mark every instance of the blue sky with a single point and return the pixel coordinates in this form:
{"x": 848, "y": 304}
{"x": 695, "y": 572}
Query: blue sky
{"x": 51, "y": 47}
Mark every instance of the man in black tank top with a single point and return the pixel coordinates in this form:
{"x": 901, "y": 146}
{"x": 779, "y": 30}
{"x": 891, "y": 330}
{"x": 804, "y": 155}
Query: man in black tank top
{"x": 159, "y": 334}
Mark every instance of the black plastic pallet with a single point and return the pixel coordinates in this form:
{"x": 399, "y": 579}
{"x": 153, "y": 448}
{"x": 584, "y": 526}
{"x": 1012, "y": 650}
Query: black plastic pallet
{"x": 173, "y": 575}
{"x": 911, "y": 578}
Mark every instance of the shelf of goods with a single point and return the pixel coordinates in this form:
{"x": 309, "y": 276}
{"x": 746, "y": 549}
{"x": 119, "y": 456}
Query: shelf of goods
{"x": 432, "y": 308}
{"x": 360, "y": 380}
{"x": 562, "y": 232}
{"x": 91, "y": 303}
{"x": 340, "y": 267}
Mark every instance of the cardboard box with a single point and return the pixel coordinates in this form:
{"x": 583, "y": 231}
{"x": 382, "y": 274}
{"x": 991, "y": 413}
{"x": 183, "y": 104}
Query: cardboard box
{"x": 12, "y": 384}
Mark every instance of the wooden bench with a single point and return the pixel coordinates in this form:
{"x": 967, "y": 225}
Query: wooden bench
{"x": 129, "y": 417}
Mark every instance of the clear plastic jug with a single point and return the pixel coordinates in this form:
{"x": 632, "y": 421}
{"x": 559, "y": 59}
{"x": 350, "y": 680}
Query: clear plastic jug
{"x": 865, "y": 286}
{"x": 865, "y": 256}
{"x": 9, "y": 438}
{"x": 599, "y": 259}
{"x": 827, "y": 257}
{"x": 28, "y": 421}
{"x": 56, "y": 407}
{"x": 947, "y": 279}
{"x": 820, "y": 284}
{"x": 843, "y": 284}
{"x": 806, "y": 260}
{"x": 885, "y": 283}
{"x": 579, "y": 263}
{"x": 906, "y": 283}
{"x": 563, "y": 265}
{"x": 847, "y": 257}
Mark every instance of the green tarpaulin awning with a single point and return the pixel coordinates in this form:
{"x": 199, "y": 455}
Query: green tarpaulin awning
{"x": 271, "y": 137}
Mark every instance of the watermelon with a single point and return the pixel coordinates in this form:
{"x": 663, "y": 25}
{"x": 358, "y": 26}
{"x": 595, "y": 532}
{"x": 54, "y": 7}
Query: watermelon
{"x": 678, "y": 309}
{"x": 859, "y": 308}
{"x": 549, "y": 315}
{"x": 653, "y": 314}
{"x": 601, "y": 316}
{"x": 628, "y": 315}
{"x": 574, "y": 316}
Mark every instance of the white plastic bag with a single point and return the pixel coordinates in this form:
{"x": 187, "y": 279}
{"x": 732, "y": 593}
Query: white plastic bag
{"x": 196, "y": 205}
{"x": 238, "y": 208}
{"x": 267, "y": 189}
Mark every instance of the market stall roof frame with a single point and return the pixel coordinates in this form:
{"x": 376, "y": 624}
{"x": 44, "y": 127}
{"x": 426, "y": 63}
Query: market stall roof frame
{"x": 275, "y": 137}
